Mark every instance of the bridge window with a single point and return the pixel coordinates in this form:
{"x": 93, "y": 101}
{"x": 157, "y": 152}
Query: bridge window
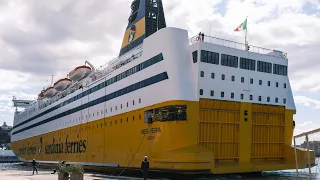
{"x": 280, "y": 69}
{"x": 195, "y": 56}
{"x": 209, "y": 57}
{"x": 248, "y": 64}
{"x": 228, "y": 60}
{"x": 264, "y": 67}
{"x": 166, "y": 113}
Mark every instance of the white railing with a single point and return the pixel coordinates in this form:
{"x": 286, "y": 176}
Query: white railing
{"x": 306, "y": 134}
{"x": 237, "y": 45}
{"x": 137, "y": 51}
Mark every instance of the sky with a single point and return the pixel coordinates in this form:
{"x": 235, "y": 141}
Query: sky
{"x": 41, "y": 38}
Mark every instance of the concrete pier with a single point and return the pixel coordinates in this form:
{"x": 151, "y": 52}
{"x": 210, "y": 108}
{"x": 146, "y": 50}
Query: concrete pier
{"x": 46, "y": 175}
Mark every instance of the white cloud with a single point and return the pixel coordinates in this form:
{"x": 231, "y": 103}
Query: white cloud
{"x": 38, "y": 39}
{"x": 307, "y": 102}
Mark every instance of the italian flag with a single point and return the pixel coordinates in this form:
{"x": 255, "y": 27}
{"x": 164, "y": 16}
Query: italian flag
{"x": 242, "y": 26}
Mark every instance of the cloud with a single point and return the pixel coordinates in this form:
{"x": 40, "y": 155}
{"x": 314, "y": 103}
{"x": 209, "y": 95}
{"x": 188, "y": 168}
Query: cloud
{"x": 307, "y": 102}
{"x": 40, "y": 38}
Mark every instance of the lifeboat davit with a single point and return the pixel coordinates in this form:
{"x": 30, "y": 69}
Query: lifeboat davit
{"x": 79, "y": 73}
{"x": 41, "y": 95}
{"x": 49, "y": 92}
{"x": 62, "y": 84}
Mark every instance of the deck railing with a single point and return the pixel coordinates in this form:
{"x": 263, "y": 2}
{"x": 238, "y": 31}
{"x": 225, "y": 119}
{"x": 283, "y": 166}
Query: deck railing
{"x": 237, "y": 45}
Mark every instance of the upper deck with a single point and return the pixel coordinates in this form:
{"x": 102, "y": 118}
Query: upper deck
{"x": 230, "y": 71}
{"x": 239, "y": 46}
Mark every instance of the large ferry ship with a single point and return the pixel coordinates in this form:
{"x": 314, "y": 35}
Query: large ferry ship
{"x": 199, "y": 105}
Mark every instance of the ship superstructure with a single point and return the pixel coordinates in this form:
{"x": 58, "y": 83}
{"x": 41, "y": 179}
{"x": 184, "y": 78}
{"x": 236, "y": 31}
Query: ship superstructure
{"x": 199, "y": 106}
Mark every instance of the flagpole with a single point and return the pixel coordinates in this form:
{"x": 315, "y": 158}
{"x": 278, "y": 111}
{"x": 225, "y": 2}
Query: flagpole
{"x": 245, "y": 39}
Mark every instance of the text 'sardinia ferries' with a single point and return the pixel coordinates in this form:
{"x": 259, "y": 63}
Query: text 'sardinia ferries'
{"x": 194, "y": 106}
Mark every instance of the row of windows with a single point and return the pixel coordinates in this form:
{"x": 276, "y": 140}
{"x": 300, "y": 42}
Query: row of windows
{"x": 121, "y": 120}
{"x": 248, "y": 64}
{"x": 232, "y": 61}
{"x": 233, "y": 78}
{"x": 264, "y": 67}
{"x": 280, "y": 69}
{"x": 222, "y": 95}
{"x": 228, "y": 60}
{"x": 209, "y": 57}
{"x": 147, "y": 82}
{"x": 112, "y": 80}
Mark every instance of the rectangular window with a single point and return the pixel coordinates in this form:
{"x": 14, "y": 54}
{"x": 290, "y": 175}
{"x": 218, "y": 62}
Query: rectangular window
{"x": 209, "y": 57}
{"x": 212, "y": 93}
{"x": 228, "y": 60}
{"x": 264, "y": 67}
{"x": 232, "y": 78}
{"x": 284, "y": 101}
{"x": 280, "y": 69}
{"x": 195, "y": 56}
{"x": 241, "y": 96}
{"x": 285, "y": 85}
{"x": 248, "y": 64}
{"x": 201, "y": 73}
{"x": 268, "y": 83}
{"x": 251, "y": 98}
{"x": 276, "y": 100}
{"x": 260, "y": 82}
{"x": 260, "y": 98}
{"x": 223, "y": 76}
{"x": 222, "y": 94}
{"x": 251, "y": 81}
{"x": 201, "y": 91}
{"x": 242, "y": 79}
{"x": 232, "y": 95}
{"x": 277, "y": 84}
{"x": 268, "y": 99}
{"x": 212, "y": 75}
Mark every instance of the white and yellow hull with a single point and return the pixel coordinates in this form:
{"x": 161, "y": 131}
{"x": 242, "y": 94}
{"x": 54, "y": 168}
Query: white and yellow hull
{"x": 221, "y": 134}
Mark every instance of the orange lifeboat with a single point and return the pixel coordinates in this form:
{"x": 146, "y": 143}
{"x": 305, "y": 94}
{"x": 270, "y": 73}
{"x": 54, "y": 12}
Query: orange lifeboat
{"x": 49, "y": 92}
{"x": 62, "y": 84}
{"x": 79, "y": 72}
